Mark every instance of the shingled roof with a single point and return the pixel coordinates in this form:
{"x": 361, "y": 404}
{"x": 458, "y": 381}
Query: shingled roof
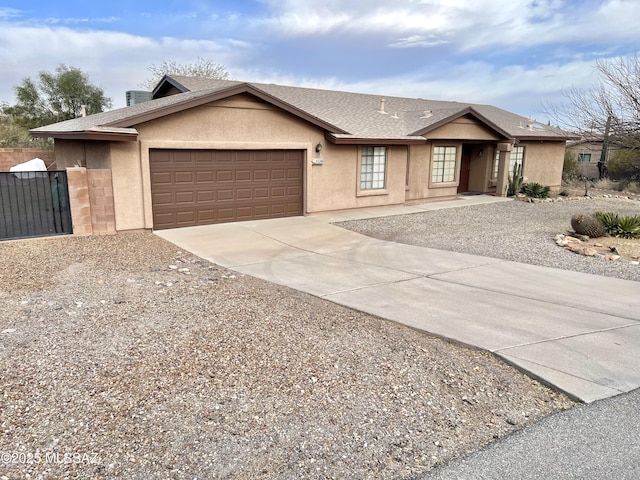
{"x": 346, "y": 117}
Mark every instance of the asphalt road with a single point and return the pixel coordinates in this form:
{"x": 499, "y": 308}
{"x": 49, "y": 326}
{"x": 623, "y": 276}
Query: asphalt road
{"x": 600, "y": 440}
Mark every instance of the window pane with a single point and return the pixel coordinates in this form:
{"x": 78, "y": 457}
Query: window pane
{"x": 517, "y": 155}
{"x": 444, "y": 164}
{"x": 372, "y": 167}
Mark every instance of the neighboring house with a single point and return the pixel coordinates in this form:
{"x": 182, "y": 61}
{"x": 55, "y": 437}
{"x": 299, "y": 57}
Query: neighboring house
{"x": 208, "y": 151}
{"x": 588, "y": 152}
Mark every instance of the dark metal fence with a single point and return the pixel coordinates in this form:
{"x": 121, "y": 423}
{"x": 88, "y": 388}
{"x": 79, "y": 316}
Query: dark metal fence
{"x": 34, "y": 204}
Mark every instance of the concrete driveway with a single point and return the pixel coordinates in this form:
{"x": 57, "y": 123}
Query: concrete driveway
{"x": 541, "y": 320}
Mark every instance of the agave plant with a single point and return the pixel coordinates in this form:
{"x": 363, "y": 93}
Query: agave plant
{"x": 536, "y": 190}
{"x": 622, "y": 226}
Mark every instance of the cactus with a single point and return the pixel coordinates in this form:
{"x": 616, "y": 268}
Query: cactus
{"x": 514, "y": 186}
{"x": 587, "y": 224}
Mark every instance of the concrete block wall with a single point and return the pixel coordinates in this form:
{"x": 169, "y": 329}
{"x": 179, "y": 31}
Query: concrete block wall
{"x": 103, "y": 215}
{"x": 91, "y": 200}
{"x": 10, "y": 157}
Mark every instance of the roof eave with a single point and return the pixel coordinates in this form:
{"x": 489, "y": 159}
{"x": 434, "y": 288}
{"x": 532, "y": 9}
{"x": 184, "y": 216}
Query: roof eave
{"x": 219, "y": 95}
{"x": 87, "y": 135}
{"x": 545, "y": 138}
{"x": 352, "y": 140}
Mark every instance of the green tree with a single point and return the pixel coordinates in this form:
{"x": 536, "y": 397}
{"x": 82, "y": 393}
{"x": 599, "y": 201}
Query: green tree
{"x": 625, "y": 165}
{"x": 16, "y": 136}
{"x": 55, "y": 97}
{"x": 202, "y": 68}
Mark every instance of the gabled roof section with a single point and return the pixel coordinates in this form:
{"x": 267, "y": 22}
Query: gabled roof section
{"x": 114, "y": 121}
{"x": 470, "y": 111}
{"x": 168, "y": 84}
{"x": 344, "y": 116}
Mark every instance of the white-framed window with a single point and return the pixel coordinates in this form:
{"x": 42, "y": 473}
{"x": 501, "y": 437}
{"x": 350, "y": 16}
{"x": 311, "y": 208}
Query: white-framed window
{"x": 444, "y": 164}
{"x": 584, "y": 157}
{"x": 516, "y": 157}
{"x": 373, "y": 166}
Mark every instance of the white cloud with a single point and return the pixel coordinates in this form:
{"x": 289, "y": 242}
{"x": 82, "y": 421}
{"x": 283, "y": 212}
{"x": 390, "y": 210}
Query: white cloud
{"x": 468, "y": 24}
{"x": 115, "y": 61}
{"x": 418, "y": 41}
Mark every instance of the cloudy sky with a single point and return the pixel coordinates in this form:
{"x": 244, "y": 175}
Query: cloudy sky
{"x": 516, "y": 54}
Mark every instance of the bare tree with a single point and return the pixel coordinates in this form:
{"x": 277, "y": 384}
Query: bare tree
{"x": 615, "y": 99}
{"x": 202, "y": 68}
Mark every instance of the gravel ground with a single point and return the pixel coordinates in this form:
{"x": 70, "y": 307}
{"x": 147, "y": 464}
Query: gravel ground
{"x": 519, "y": 231}
{"x": 119, "y": 363}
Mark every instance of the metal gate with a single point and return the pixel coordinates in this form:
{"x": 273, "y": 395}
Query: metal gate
{"x": 34, "y": 204}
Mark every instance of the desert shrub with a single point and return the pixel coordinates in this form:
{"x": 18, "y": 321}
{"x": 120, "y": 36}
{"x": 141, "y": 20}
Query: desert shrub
{"x": 625, "y": 164}
{"x": 620, "y": 225}
{"x": 605, "y": 184}
{"x": 632, "y": 187}
{"x": 564, "y": 193}
{"x": 570, "y": 166}
{"x": 536, "y": 190}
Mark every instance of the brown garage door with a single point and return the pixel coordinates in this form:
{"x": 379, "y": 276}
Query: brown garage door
{"x": 201, "y": 187}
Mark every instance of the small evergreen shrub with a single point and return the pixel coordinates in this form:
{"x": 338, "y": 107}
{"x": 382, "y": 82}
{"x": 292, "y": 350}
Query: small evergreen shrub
{"x": 536, "y": 190}
{"x": 622, "y": 226}
{"x": 571, "y": 166}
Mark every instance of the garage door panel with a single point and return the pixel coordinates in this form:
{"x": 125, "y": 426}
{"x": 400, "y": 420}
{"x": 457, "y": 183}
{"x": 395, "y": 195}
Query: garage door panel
{"x": 260, "y": 175}
{"x": 224, "y": 195}
{"x": 277, "y": 174}
{"x": 185, "y": 216}
{"x": 199, "y": 187}
{"x": 185, "y": 197}
{"x": 204, "y": 176}
{"x": 277, "y": 192}
{"x": 183, "y": 177}
{"x": 206, "y": 216}
{"x": 182, "y": 156}
{"x": 226, "y": 214}
{"x": 243, "y": 176}
{"x": 261, "y": 192}
{"x": 294, "y": 174}
{"x": 244, "y": 194}
{"x": 224, "y": 176}
{"x": 164, "y": 178}
{"x": 163, "y": 199}
{"x": 206, "y": 196}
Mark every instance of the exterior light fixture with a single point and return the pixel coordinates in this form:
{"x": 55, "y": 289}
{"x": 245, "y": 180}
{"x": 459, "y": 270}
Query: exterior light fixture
{"x": 318, "y": 148}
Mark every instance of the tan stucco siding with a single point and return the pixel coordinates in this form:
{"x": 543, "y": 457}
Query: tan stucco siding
{"x": 463, "y": 129}
{"x": 543, "y": 162}
{"x": 127, "y": 186}
{"x": 420, "y": 185}
{"x": 243, "y": 123}
{"x": 89, "y": 154}
{"x": 419, "y": 161}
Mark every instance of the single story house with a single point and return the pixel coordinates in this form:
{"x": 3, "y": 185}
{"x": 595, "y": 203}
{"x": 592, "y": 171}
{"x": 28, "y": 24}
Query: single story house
{"x": 208, "y": 151}
{"x": 588, "y": 151}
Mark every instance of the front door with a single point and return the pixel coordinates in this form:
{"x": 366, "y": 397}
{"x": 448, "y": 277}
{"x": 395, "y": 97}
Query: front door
{"x": 465, "y": 167}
